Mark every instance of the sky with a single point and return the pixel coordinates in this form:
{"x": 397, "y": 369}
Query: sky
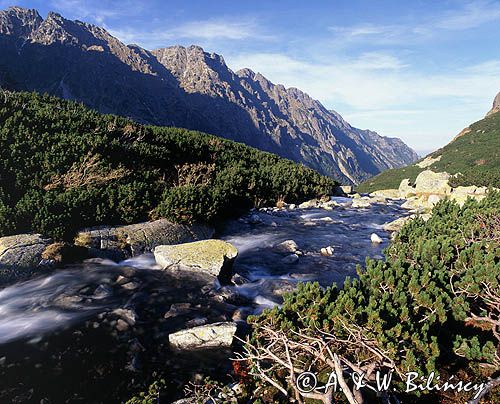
{"x": 418, "y": 70}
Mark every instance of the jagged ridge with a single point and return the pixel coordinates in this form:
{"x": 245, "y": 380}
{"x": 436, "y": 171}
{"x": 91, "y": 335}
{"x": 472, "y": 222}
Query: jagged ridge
{"x": 186, "y": 87}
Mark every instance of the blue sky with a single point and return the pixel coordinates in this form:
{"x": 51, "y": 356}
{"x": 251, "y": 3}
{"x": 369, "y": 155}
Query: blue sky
{"x": 418, "y": 70}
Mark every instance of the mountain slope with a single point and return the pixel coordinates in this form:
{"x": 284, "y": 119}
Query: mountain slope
{"x": 186, "y": 87}
{"x": 64, "y": 167}
{"x": 473, "y": 156}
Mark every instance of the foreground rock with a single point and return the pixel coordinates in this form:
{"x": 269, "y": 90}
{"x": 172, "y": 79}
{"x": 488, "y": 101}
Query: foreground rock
{"x": 135, "y": 239}
{"x": 21, "y": 255}
{"x": 214, "y": 257}
{"x": 287, "y": 246}
{"x": 217, "y": 335}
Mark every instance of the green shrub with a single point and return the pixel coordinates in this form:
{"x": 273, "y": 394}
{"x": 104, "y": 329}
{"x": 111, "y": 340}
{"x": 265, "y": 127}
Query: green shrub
{"x": 64, "y": 166}
{"x": 431, "y": 306}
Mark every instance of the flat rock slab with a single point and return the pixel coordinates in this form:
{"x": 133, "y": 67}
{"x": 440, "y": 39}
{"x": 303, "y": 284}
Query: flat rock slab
{"x": 20, "y": 255}
{"x": 216, "y": 335}
{"x": 214, "y": 257}
{"x": 135, "y": 239}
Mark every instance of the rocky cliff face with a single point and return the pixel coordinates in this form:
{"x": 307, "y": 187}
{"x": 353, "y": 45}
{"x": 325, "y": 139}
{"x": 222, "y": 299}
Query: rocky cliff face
{"x": 186, "y": 87}
{"x": 496, "y": 105}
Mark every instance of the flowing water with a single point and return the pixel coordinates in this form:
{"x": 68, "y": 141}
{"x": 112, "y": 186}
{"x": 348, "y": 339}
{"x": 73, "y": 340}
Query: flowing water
{"x": 95, "y": 332}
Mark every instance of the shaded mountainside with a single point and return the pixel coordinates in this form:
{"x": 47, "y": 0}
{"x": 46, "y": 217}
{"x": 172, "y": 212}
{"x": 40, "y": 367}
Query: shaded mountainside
{"x": 473, "y": 157}
{"x": 64, "y": 167}
{"x": 186, "y": 87}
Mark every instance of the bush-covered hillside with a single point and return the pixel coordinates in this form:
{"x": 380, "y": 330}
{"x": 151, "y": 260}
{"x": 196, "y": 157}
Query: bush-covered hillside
{"x": 433, "y": 305}
{"x": 475, "y": 155}
{"x": 64, "y": 166}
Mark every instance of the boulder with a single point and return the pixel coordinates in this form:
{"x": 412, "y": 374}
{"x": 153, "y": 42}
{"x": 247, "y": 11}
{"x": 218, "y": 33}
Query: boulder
{"x": 346, "y": 189}
{"x": 396, "y": 225}
{"x": 405, "y": 189}
{"x": 214, "y": 257}
{"x": 361, "y": 203}
{"x": 429, "y": 182}
{"x": 386, "y": 193}
{"x": 416, "y": 204}
{"x": 287, "y": 246}
{"x": 21, "y": 255}
{"x": 309, "y": 204}
{"x": 216, "y": 335}
{"x": 375, "y": 238}
{"x": 290, "y": 259}
{"x": 135, "y": 239}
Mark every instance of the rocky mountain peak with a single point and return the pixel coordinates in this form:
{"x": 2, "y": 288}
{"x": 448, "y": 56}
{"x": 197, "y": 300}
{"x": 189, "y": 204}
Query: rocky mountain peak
{"x": 496, "y": 105}
{"x": 186, "y": 87}
{"x": 19, "y": 22}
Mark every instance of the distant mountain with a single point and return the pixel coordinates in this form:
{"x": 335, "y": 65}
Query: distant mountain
{"x": 189, "y": 88}
{"x": 473, "y": 157}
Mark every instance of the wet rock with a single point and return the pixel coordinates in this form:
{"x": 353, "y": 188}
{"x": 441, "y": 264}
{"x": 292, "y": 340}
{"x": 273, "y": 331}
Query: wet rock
{"x": 254, "y": 219}
{"x": 195, "y": 322}
{"x": 238, "y": 279}
{"x": 103, "y": 291}
{"x": 309, "y": 204}
{"x": 121, "y": 325}
{"x": 135, "y": 239}
{"x": 290, "y": 259}
{"x": 327, "y": 251}
{"x": 375, "y": 238}
{"x": 229, "y": 295}
{"x": 128, "y": 315}
{"x": 178, "y": 309}
{"x": 131, "y": 285}
{"x": 292, "y": 206}
{"x": 361, "y": 203}
{"x": 287, "y": 246}
{"x": 21, "y": 255}
{"x": 214, "y": 257}
{"x": 214, "y": 335}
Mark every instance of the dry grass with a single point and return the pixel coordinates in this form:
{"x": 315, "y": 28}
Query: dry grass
{"x": 86, "y": 173}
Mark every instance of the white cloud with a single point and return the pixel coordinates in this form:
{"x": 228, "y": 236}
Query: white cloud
{"x": 474, "y": 14}
{"x": 207, "y": 31}
{"x": 95, "y": 11}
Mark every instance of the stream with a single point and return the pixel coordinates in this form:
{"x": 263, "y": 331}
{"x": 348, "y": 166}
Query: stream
{"x": 97, "y": 332}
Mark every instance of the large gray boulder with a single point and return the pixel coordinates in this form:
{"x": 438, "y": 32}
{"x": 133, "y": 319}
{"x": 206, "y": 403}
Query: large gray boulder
{"x": 216, "y": 335}
{"x": 21, "y": 255}
{"x": 429, "y": 182}
{"x": 135, "y": 239}
{"x": 213, "y": 257}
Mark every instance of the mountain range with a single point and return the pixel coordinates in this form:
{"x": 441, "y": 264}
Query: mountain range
{"x": 186, "y": 87}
